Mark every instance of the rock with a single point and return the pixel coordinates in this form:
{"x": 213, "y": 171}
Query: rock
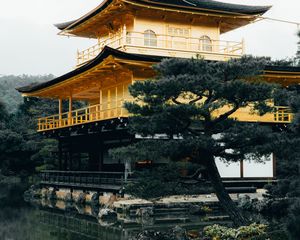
{"x": 51, "y": 194}
{"x": 177, "y": 233}
{"x": 107, "y": 213}
{"x": 194, "y": 209}
{"x": 68, "y": 197}
{"x": 78, "y": 196}
{"x": 34, "y": 192}
{"x": 44, "y": 192}
{"x": 145, "y": 212}
{"x": 244, "y": 202}
{"x": 95, "y": 197}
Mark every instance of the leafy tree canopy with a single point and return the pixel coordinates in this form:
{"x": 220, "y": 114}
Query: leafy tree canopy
{"x": 189, "y": 104}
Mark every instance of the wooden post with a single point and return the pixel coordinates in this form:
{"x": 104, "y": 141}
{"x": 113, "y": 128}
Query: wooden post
{"x": 100, "y": 165}
{"x": 242, "y": 168}
{"x": 100, "y": 102}
{"x": 70, "y": 156}
{"x": 108, "y": 107}
{"x": 70, "y": 109}
{"x": 60, "y": 111}
{"x": 243, "y": 46}
{"x": 124, "y": 35}
{"x": 117, "y": 102}
{"x": 60, "y": 154}
{"x": 274, "y": 165}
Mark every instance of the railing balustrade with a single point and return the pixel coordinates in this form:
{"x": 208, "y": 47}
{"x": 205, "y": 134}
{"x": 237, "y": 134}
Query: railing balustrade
{"x": 283, "y": 115}
{"x": 96, "y": 113}
{"x": 163, "y": 43}
{"x": 84, "y": 115}
{"x": 82, "y": 178}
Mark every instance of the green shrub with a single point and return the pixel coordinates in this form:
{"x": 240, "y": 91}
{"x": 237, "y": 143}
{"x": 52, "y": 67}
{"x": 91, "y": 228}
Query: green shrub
{"x": 147, "y": 184}
{"x": 251, "y": 232}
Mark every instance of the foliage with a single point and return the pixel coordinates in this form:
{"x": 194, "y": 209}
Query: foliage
{"x": 10, "y": 97}
{"x": 250, "y": 232}
{"x": 148, "y": 183}
{"x": 288, "y": 155}
{"x": 22, "y": 150}
{"x": 189, "y": 103}
{"x": 293, "y": 221}
{"x": 298, "y": 52}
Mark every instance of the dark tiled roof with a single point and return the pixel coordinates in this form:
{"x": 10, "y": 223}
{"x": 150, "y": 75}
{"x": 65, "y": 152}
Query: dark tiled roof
{"x": 198, "y": 5}
{"x": 107, "y": 51}
{"x": 213, "y": 5}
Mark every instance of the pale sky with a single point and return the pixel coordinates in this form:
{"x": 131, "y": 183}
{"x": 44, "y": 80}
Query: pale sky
{"x": 29, "y": 42}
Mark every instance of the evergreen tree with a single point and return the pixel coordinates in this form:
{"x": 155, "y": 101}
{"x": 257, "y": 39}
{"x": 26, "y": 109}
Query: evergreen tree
{"x": 288, "y": 155}
{"x": 298, "y": 52}
{"x": 189, "y": 105}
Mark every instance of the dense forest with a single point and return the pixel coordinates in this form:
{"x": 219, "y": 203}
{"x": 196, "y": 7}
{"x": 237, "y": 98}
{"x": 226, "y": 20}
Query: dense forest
{"x": 8, "y": 84}
{"x": 22, "y": 151}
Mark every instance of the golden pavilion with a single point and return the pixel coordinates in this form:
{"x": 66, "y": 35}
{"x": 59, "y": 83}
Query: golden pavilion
{"x": 130, "y": 36}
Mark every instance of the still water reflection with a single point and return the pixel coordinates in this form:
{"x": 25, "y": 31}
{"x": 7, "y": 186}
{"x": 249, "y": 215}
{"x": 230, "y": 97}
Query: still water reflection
{"x": 45, "y": 220}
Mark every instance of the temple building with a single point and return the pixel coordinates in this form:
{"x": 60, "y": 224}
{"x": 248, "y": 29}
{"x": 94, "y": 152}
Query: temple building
{"x": 130, "y": 36}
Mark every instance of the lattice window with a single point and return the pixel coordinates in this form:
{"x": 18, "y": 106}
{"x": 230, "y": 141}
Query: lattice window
{"x": 179, "y": 32}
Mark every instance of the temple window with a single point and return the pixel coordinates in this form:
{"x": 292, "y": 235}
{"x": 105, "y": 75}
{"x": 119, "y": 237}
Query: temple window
{"x": 205, "y": 44}
{"x": 179, "y": 32}
{"x": 150, "y": 38}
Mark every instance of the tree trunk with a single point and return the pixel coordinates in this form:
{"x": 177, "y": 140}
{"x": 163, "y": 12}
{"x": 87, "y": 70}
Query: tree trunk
{"x": 225, "y": 201}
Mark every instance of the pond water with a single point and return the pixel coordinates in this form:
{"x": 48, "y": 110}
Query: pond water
{"x": 58, "y": 220}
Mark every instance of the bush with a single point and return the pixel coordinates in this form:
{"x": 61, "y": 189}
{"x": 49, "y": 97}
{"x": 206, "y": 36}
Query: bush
{"x": 293, "y": 221}
{"x": 251, "y": 232}
{"x": 148, "y": 183}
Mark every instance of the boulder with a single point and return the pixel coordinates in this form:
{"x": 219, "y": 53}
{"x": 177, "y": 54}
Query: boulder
{"x": 107, "y": 213}
{"x": 145, "y": 212}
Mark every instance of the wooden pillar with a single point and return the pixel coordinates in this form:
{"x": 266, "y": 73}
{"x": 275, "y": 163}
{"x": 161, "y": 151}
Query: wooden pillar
{"x": 59, "y": 155}
{"x": 101, "y": 155}
{"x": 117, "y": 110}
{"x": 243, "y": 46}
{"x": 101, "y": 102}
{"x": 70, "y": 109}
{"x": 242, "y": 168}
{"x": 70, "y": 156}
{"x": 65, "y": 161}
{"x": 79, "y": 162}
{"x": 274, "y": 165}
{"x": 60, "y": 111}
{"x": 124, "y": 35}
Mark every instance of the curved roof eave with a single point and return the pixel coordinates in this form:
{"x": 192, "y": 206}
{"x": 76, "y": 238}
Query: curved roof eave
{"x": 107, "y": 51}
{"x": 92, "y": 13}
{"x": 198, "y": 5}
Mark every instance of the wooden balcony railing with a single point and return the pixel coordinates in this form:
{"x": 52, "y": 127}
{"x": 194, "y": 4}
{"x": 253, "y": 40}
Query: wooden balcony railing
{"x": 82, "y": 178}
{"x": 165, "y": 45}
{"x": 283, "y": 115}
{"x": 88, "y": 114}
{"x": 111, "y": 110}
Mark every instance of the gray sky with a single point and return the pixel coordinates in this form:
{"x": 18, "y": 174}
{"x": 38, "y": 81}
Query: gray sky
{"x": 30, "y": 44}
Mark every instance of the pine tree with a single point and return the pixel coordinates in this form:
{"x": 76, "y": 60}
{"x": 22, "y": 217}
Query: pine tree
{"x": 298, "y": 52}
{"x": 182, "y": 103}
{"x": 288, "y": 154}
